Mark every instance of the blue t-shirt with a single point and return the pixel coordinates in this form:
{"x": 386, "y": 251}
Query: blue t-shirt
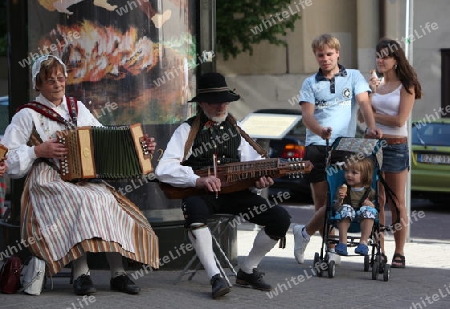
{"x": 335, "y": 102}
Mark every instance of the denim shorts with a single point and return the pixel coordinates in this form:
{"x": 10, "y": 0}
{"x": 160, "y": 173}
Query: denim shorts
{"x": 395, "y": 158}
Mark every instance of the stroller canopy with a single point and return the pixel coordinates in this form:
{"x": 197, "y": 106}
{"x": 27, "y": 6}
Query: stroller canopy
{"x": 360, "y": 147}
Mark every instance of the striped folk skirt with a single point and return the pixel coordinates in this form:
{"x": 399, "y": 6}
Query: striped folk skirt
{"x": 61, "y": 221}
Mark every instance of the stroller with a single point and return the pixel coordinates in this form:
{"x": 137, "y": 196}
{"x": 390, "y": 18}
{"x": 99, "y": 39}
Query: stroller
{"x": 358, "y": 148}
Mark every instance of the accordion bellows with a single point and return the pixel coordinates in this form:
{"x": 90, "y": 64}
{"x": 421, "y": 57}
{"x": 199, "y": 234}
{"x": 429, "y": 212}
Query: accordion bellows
{"x": 110, "y": 152}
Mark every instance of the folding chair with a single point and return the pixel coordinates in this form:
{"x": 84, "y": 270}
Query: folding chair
{"x": 219, "y": 225}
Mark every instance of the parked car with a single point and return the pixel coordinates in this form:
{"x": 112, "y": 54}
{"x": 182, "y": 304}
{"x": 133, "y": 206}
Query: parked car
{"x": 430, "y": 160}
{"x": 289, "y": 144}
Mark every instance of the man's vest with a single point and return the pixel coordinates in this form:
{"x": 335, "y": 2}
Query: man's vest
{"x": 221, "y": 139}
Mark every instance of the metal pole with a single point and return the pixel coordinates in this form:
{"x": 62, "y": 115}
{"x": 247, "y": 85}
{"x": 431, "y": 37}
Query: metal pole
{"x": 409, "y": 21}
{"x": 207, "y": 31}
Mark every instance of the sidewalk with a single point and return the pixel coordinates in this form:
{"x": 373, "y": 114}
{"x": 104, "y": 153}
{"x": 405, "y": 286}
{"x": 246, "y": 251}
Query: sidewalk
{"x": 424, "y": 284}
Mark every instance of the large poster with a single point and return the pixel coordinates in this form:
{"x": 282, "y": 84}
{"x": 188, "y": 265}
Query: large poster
{"x": 128, "y": 60}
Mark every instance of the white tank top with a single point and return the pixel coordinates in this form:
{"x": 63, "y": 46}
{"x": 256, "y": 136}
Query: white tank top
{"x": 388, "y": 104}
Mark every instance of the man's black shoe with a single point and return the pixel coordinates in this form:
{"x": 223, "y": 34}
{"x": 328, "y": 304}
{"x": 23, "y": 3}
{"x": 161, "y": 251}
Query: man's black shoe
{"x": 219, "y": 286}
{"x": 83, "y": 285}
{"x": 124, "y": 284}
{"x": 255, "y": 280}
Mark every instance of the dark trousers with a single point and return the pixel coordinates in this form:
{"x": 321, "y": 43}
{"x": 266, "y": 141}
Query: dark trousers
{"x": 247, "y": 205}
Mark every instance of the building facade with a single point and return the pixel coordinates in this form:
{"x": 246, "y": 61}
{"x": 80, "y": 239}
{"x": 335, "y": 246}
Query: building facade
{"x": 272, "y": 77}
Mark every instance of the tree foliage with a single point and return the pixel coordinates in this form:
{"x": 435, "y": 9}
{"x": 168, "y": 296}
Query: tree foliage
{"x": 237, "y": 18}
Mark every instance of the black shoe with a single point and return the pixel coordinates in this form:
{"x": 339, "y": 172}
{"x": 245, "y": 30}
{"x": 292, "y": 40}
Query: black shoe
{"x": 124, "y": 284}
{"x": 219, "y": 286}
{"x": 255, "y": 280}
{"x": 83, "y": 285}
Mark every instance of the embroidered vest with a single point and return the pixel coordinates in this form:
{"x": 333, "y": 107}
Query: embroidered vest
{"x": 222, "y": 139}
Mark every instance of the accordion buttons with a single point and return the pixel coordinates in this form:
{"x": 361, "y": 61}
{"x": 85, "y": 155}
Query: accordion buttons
{"x": 144, "y": 148}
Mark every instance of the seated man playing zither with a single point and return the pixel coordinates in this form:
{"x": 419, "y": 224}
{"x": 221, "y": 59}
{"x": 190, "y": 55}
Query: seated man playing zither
{"x": 212, "y": 136}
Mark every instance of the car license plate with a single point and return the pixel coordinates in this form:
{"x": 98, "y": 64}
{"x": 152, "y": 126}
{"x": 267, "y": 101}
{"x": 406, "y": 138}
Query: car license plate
{"x": 432, "y": 158}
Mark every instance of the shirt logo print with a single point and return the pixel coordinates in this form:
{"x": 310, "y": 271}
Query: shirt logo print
{"x": 347, "y": 93}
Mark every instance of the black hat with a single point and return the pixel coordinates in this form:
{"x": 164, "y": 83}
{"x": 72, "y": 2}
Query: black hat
{"x": 212, "y": 88}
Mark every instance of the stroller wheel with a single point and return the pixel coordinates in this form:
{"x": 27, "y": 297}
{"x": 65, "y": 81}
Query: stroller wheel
{"x": 316, "y": 259}
{"x": 331, "y": 269}
{"x": 387, "y": 272}
{"x": 375, "y": 270}
{"x": 317, "y": 264}
{"x": 366, "y": 263}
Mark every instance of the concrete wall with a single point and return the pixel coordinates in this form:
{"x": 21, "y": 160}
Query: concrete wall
{"x": 427, "y": 56}
{"x": 273, "y": 76}
{"x": 274, "y": 89}
{"x": 265, "y": 91}
{"x": 321, "y": 16}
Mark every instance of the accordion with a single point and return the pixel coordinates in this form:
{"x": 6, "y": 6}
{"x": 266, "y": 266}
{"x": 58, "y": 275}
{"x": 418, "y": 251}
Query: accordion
{"x": 3, "y": 152}
{"x": 110, "y": 152}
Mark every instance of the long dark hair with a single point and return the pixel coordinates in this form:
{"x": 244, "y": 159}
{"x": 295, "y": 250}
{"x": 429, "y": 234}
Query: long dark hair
{"x": 404, "y": 71}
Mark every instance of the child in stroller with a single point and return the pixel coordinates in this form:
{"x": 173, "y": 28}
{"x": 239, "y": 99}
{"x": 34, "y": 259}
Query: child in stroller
{"x": 355, "y": 198}
{"x": 361, "y": 175}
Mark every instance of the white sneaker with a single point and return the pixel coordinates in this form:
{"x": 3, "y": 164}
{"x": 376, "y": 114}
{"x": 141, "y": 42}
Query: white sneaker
{"x": 332, "y": 256}
{"x": 300, "y": 243}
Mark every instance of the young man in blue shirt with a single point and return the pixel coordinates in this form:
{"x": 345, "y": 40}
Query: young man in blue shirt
{"x": 329, "y": 101}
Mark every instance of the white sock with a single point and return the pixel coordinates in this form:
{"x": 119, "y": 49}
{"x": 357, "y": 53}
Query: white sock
{"x": 261, "y": 246}
{"x": 80, "y": 267}
{"x": 203, "y": 248}
{"x": 115, "y": 264}
{"x": 305, "y": 234}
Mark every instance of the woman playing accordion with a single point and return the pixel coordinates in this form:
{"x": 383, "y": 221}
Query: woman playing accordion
{"x": 66, "y": 220}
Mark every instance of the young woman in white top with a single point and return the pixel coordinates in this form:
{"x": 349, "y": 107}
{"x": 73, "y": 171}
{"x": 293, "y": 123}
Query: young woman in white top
{"x": 392, "y": 100}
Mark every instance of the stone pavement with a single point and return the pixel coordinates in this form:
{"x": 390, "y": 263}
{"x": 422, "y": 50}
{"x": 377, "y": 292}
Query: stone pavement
{"x": 424, "y": 284}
